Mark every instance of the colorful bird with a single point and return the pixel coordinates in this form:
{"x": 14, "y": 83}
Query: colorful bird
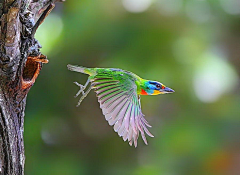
{"x": 118, "y": 93}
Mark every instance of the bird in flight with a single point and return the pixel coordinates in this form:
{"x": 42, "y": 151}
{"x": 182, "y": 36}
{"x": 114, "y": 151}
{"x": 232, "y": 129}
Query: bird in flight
{"x": 118, "y": 92}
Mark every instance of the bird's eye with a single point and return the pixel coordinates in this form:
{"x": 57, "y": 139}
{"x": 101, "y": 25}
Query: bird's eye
{"x": 158, "y": 86}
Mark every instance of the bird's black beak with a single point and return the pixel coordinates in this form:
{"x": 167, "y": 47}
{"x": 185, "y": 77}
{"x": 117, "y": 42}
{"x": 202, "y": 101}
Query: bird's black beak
{"x": 167, "y": 90}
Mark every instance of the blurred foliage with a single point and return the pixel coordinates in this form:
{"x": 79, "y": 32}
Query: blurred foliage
{"x": 191, "y": 46}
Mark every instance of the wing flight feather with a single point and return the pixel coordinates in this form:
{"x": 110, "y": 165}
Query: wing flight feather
{"x": 121, "y": 106}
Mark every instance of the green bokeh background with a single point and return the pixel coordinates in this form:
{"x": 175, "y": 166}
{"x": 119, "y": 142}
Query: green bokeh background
{"x": 191, "y": 46}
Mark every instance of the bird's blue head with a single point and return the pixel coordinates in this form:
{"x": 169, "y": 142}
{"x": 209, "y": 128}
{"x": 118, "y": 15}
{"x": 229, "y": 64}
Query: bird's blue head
{"x": 155, "y": 88}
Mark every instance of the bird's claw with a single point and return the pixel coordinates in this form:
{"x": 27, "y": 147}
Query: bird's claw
{"x": 78, "y": 84}
{"x": 82, "y": 88}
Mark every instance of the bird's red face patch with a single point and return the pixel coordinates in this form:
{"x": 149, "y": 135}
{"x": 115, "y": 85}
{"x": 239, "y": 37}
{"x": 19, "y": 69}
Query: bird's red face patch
{"x": 143, "y": 92}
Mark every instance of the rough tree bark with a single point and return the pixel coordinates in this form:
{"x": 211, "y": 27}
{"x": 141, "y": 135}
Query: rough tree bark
{"x": 20, "y": 63}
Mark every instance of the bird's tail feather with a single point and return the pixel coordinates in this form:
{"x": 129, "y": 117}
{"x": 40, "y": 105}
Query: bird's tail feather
{"x": 89, "y": 71}
{"x": 76, "y": 68}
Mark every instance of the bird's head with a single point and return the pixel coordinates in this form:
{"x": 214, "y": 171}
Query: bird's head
{"x": 155, "y": 88}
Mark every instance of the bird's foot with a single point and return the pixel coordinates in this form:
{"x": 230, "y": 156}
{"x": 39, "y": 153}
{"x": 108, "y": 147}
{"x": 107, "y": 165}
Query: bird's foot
{"x": 82, "y": 88}
{"x": 84, "y": 94}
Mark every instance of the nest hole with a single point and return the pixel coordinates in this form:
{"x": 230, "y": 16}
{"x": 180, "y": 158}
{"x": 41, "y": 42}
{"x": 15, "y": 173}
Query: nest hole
{"x": 31, "y": 70}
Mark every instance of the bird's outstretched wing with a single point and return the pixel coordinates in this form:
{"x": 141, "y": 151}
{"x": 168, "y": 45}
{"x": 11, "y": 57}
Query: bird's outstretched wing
{"x": 121, "y": 106}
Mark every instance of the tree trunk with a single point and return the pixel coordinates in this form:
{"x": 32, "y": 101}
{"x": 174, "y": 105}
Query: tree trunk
{"x": 20, "y": 63}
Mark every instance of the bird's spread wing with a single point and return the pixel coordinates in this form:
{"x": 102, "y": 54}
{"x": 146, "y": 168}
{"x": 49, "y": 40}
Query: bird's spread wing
{"x": 121, "y": 106}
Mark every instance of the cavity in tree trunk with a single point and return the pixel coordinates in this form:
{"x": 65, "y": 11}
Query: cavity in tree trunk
{"x": 20, "y": 64}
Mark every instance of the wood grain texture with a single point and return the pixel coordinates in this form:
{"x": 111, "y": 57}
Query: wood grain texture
{"x": 20, "y": 64}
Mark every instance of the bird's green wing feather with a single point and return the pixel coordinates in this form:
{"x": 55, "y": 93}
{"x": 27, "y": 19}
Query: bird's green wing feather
{"x": 117, "y": 95}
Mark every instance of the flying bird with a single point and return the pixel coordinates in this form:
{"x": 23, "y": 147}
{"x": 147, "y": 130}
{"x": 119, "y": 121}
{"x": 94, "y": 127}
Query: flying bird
{"x": 118, "y": 92}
